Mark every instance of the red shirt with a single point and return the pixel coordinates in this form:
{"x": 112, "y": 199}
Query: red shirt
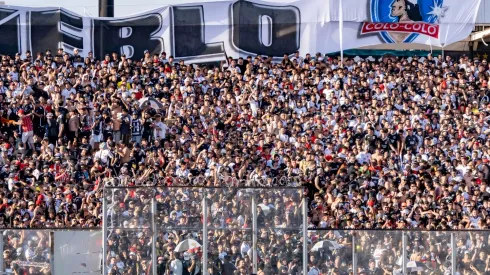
{"x": 26, "y": 124}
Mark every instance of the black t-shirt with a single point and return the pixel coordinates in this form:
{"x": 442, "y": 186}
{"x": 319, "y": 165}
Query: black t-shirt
{"x": 37, "y": 146}
{"x": 38, "y": 121}
{"x": 371, "y": 139}
{"x": 243, "y": 66}
{"x": 394, "y": 138}
{"x": 185, "y": 267}
{"x": 411, "y": 141}
{"x": 228, "y": 269}
{"x": 334, "y": 166}
{"x": 384, "y": 143}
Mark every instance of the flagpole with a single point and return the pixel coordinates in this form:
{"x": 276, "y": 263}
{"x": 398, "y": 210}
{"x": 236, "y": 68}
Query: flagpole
{"x": 341, "y": 26}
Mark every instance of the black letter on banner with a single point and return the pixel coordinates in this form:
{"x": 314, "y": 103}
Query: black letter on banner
{"x": 9, "y": 32}
{"x": 131, "y": 36}
{"x": 283, "y": 28}
{"x": 188, "y": 33}
{"x": 51, "y": 29}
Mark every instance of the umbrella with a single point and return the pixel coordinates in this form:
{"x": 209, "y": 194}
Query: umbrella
{"x": 155, "y": 104}
{"x": 186, "y": 245}
{"x": 414, "y": 266}
{"x": 321, "y": 245}
{"x": 265, "y": 208}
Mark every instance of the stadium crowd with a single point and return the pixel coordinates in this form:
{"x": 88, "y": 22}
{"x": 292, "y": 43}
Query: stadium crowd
{"x": 394, "y": 143}
{"x": 26, "y": 252}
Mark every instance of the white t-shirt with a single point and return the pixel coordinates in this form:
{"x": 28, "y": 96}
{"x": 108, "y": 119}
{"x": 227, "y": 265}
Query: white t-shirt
{"x": 104, "y": 155}
{"x": 66, "y": 93}
{"x": 160, "y": 133}
{"x": 176, "y": 267}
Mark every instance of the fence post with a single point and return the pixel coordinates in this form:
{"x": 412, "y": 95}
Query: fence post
{"x": 51, "y": 251}
{"x": 204, "y": 234}
{"x": 104, "y": 232}
{"x": 154, "y": 261}
{"x": 453, "y": 253}
{"x": 354, "y": 254}
{"x": 404, "y": 253}
{"x": 254, "y": 233}
{"x": 305, "y": 235}
{"x": 1, "y": 249}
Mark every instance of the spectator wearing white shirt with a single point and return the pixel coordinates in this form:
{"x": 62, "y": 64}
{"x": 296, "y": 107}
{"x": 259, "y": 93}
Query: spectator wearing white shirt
{"x": 159, "y": 128}
{"x": 68, "y": 90}
{"x": 175, "y": 267}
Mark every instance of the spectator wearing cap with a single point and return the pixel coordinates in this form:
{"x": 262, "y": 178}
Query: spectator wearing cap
{"x": 27, "y": 128}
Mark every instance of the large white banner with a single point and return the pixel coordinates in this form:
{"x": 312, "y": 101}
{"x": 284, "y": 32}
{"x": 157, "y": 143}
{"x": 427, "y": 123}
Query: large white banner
{"x": 211, "y": 31}
{"x": 431, "y": 22}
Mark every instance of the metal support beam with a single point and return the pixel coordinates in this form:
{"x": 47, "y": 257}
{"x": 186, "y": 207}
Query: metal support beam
{"x": 305, "y": 234}
{"x": 254, "y": 233}
{"x": 453, "y": 253}
{"x": 51, "y": 251}
{"x": 354, "y": 254}
{"x": 154, "y": 261}
{"x": 1, "y": 258}
{"x": 204, "y": 234}
{"x": 104, "y": 233}
{"x": 404, "y": 253}
{"x": 341, "y": 38}
{"x": 106, "y": 8}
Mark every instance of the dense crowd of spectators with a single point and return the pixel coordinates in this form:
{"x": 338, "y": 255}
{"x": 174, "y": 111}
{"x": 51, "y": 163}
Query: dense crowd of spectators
{"x": 395, "y": 143}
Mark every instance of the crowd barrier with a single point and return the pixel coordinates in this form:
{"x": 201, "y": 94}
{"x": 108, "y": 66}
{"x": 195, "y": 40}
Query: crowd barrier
{"x": 144, "y": 227}
{"x": 206, "y": 224}
{"x": 328, "y": 251}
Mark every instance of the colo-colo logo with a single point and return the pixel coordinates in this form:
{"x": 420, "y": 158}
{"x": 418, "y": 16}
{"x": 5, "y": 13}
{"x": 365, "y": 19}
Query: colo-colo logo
{"x": 37, "y": 30}
{"x": 401, "y": 21}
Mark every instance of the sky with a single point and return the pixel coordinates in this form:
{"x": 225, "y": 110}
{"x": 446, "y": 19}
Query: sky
{"x": 123, "y": 7}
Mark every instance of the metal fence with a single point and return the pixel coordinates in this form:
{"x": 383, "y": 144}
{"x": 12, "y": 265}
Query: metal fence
{"x": 257, "y": 229}
{"x": 264, "y": 230}
{"x": 329, "y": 252}
{"x": 214, "y": 218}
